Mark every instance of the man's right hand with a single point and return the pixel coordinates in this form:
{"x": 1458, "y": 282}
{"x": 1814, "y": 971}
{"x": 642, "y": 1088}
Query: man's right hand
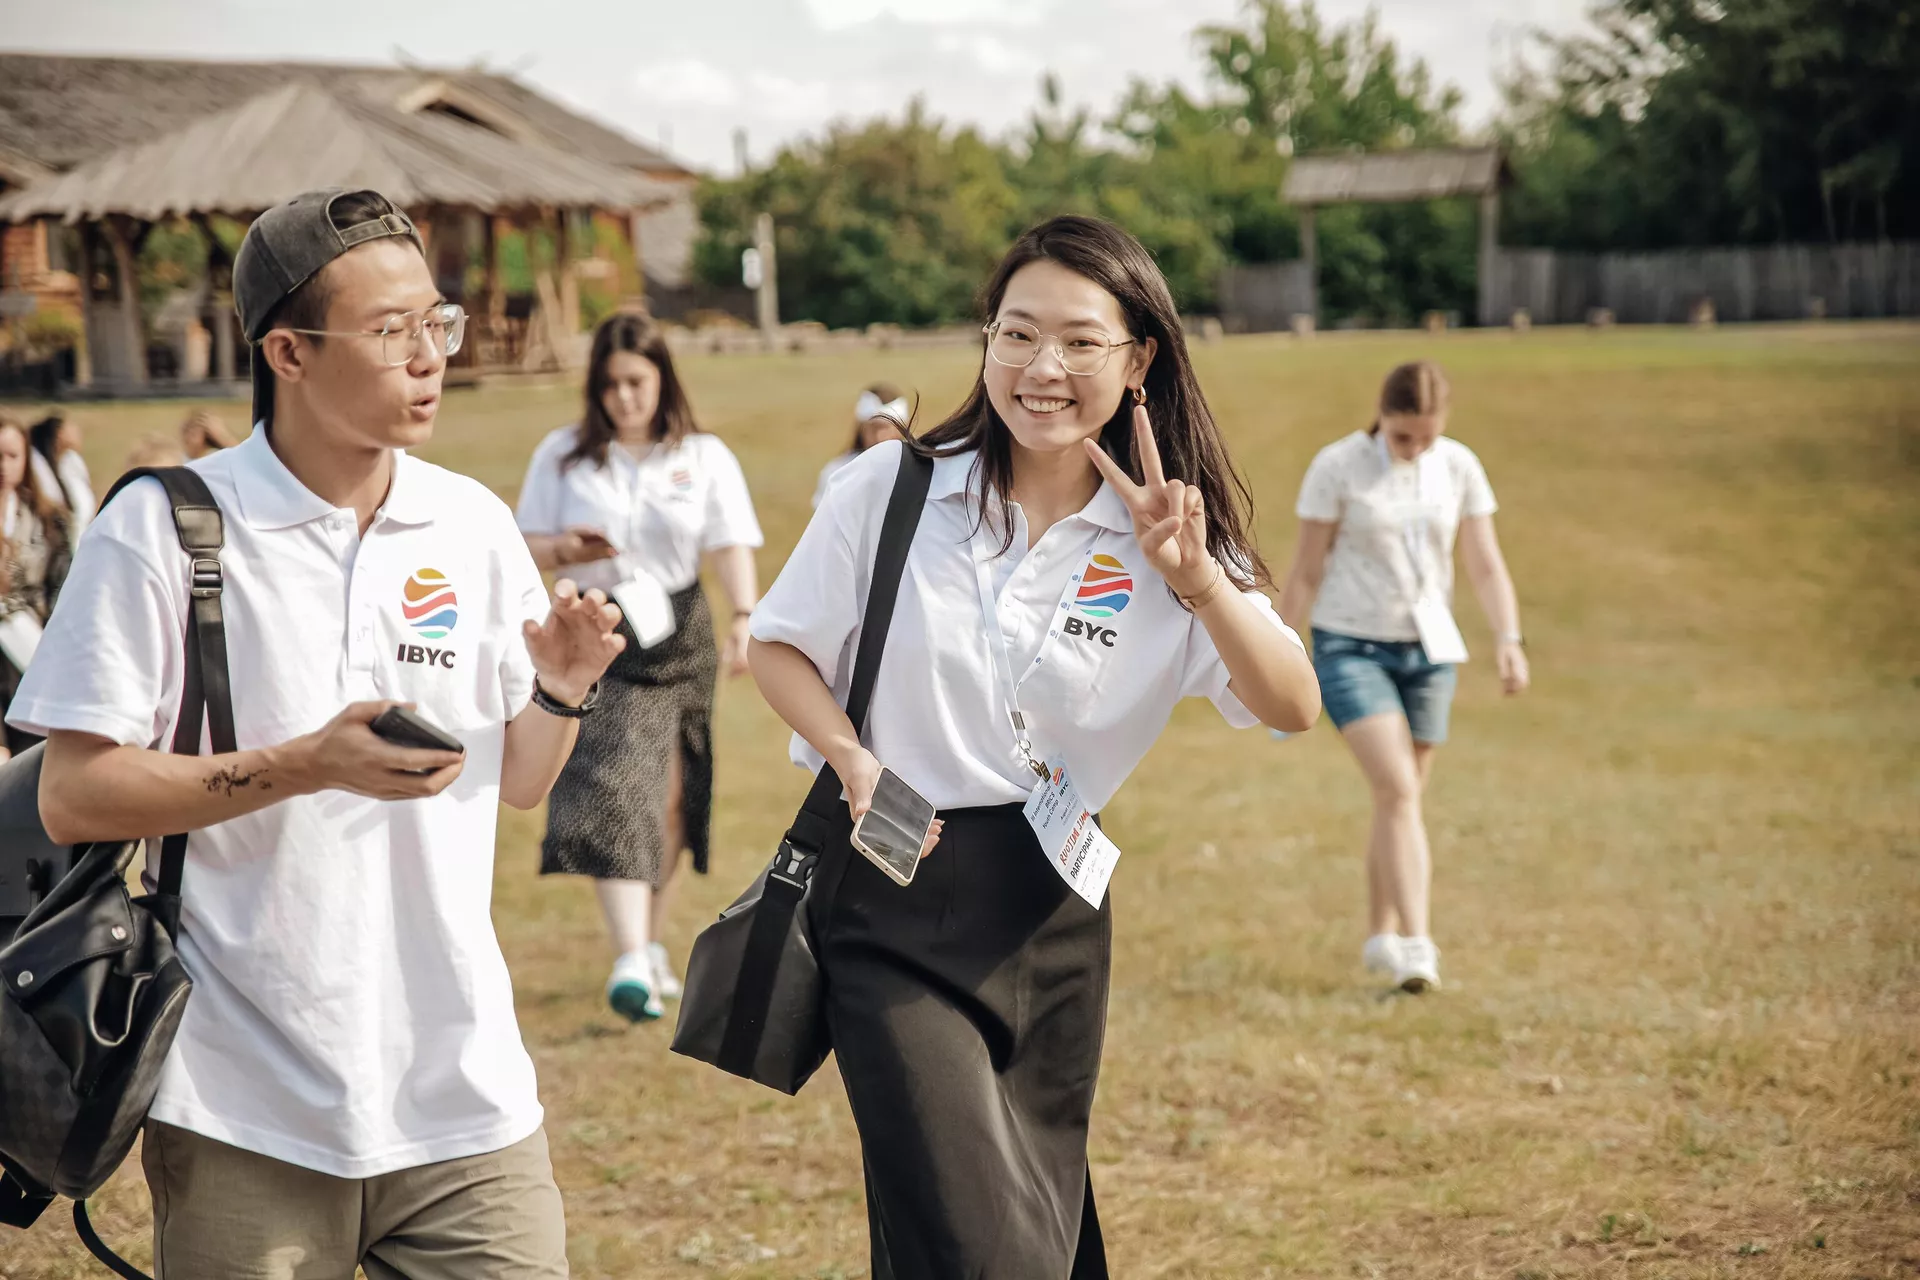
{"x": 347, "y": 755}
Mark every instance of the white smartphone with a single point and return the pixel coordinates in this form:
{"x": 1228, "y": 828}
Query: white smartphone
{"x": 892, "y": 833}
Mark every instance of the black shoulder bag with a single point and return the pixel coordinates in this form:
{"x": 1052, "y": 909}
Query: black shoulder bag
{"x": 754, "y": 1004}
{"x": 93, "y": 989}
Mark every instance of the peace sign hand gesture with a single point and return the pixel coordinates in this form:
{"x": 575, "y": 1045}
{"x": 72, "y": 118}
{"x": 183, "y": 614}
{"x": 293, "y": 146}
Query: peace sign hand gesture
{"x": 1169, "y": 516}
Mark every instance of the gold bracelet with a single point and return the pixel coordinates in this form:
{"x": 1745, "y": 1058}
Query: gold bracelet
{"x": 1204, "y": 597}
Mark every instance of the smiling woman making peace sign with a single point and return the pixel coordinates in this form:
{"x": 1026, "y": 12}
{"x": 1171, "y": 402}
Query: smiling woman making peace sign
{"x": 1082, "y": 564}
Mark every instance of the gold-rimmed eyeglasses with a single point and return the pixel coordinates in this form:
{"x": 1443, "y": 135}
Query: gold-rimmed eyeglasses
{"x": 440, "y": 329}
{"x": 1017, "y": 345}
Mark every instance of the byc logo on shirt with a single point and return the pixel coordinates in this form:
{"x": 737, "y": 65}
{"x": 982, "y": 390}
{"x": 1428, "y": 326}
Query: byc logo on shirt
{"x": 1105, "y": 589}
{"x": 682, "y": 484}
{"x": 431, "y": 608}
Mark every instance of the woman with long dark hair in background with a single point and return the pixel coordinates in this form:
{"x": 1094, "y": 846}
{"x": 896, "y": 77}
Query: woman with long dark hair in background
{"x": 631, "y": 499}
{"x": 36, "y": 548}
{"x": 60, "y": 469}
{"x": 1083, "y": 562}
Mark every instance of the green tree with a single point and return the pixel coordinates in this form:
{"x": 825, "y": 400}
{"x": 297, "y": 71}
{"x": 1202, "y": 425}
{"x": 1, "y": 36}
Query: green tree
{"x": 1688, "y": 122}
{"x": 884, "y": 222}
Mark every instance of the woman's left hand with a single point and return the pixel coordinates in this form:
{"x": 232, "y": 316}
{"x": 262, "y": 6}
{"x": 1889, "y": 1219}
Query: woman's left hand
{"x": 733, "y": 653}
{"x": 1515, "y": 672}
{"x": 574, "y": 646}
{"x": 1169, "y": 516}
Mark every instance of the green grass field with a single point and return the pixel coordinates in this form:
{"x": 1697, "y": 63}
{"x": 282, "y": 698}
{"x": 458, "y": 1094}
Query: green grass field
{"x": 1677, "y": 886}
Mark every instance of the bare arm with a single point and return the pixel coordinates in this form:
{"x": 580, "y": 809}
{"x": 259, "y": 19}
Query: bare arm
{"x": 1308, "y": 571}
{"x": 734, "y": 567}
{"x": 92, "y": 788}
{"x": 570, "y": 651}
{"x": 792, "y": 686}
{"x": 1487, "y": 570}
{"x": 582, "y": 545}
{"x": 1269, "y": 673}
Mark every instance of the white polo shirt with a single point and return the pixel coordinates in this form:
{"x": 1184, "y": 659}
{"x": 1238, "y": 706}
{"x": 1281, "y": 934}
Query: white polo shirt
{"x": 351, "y": 1010}
{"x": 1114, "y": 661}
{"x": 1398, "y": 521}
{"x": 664, "y": 510}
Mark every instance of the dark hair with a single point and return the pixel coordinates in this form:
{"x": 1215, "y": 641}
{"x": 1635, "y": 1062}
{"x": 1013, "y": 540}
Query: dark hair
{"x": 888, "y": 393}
{"x": 634, "y": 331}
{"x": 44, "y": 436}
{"x": 1417, "y": 387}
{"x": 1191, "y": 448}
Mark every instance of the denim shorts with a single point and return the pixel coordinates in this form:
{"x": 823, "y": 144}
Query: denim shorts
{"x": 1361, "y": 678}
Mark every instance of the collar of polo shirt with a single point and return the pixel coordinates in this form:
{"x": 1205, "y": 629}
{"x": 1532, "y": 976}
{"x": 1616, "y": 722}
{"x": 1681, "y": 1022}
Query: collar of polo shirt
{"x": 953, "y": 477}
{"x": 272, "y": 497}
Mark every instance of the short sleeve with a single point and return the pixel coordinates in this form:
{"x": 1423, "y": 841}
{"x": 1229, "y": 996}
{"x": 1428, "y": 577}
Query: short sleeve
{"x": 1476, "y": 491}
{"x": 729, "y": 521}
{"x": 525, "y": 595}
{"x": 1322, "y": 492}
{"x": 815, "y": 602}
{"x": 110, "y": 660}
{"x": 1206, "y": 674}
{"x": 541, "y": 506}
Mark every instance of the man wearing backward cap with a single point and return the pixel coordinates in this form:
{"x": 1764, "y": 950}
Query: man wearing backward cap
{"x": 348, "y": 1087}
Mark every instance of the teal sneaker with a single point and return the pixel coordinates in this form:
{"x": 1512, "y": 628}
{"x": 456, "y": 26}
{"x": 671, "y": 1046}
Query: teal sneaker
{"x": 630, "y": 990}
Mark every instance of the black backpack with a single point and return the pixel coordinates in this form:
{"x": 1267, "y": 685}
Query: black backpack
{"x": 91, "y": 988}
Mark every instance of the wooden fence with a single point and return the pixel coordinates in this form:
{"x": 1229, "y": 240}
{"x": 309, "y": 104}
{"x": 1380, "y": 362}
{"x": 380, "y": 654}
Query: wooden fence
{"x": 1778, "y": 282}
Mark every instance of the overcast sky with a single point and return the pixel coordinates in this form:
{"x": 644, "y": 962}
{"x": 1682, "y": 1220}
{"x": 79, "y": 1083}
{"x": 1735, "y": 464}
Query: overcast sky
{"x": 687, "y": 73}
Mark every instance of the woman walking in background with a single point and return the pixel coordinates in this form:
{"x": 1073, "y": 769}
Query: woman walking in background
{"x": 35, "y": 550}
{"x": 880, "y": 414}
{"x": 1379, "y": 514}
{"x": 630, "y": 500}
{"x": 1083, "y": 562}
{"x": 60, "y": 471}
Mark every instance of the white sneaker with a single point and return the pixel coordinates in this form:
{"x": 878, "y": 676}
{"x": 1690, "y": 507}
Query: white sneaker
{"x": 1382, "y": 953}
{"x": 664, "y": 980}
{"x": 1419, "y": 966}
{"x": 630, "y": 989}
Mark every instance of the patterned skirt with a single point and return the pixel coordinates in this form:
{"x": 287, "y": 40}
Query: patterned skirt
{"x": 606, "y": 817}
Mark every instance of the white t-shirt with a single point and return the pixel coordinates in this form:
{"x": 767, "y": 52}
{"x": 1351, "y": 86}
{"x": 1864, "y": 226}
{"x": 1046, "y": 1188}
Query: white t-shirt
{"x": 663, "y": 510}
{"x": 1387, "y": 509}
{"x": 351, "y": 1010}
{"x": 1117, "y": 655}
{"x": 835, "y": 465}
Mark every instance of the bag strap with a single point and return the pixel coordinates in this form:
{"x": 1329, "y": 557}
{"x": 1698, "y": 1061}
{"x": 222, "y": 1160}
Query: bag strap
{"x": 206, "y": 690}
{"x": 808, "y": 850}
{"x": 814, "y": 822}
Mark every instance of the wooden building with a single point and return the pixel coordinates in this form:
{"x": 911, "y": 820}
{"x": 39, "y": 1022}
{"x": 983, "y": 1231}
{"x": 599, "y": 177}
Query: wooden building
{"x": 96, "y": 153}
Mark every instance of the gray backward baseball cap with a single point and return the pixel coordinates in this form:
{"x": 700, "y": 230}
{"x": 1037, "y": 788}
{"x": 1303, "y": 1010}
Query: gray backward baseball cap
{"x": 284, "y": 248}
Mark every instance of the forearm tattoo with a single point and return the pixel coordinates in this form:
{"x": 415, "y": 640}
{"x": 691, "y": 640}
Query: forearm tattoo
{"x": 228, "y": 780}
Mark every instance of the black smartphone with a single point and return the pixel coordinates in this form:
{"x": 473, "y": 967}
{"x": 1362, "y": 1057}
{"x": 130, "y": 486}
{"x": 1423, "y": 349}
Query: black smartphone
{"x": 406, "y": 728}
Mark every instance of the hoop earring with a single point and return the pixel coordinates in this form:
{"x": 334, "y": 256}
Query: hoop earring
{"x": 1140, "y": 394}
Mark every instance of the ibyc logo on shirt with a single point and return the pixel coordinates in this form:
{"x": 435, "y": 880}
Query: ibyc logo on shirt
{"x": 1105, "y": 589}
{"x": 431, "y": 609}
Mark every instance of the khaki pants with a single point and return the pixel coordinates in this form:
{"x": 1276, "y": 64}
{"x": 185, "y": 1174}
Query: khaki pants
{"x": 222, "y": 1212}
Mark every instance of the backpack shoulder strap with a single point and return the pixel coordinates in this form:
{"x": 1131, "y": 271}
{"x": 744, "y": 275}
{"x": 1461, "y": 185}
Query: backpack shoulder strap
{"x": 206, "y": 691}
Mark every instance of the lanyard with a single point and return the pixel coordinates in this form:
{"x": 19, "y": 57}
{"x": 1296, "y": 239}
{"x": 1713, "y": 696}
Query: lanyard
{"x": 1001, "y": 656}
{"x": 1408, "y": 533}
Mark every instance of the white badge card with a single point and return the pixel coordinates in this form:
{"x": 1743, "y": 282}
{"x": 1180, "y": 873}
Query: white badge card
{"x": 19, "y": 637}
{"x": 1439, "y": 633}
{"x": 1072, "y": 841}
{"x": 648, "y": 608}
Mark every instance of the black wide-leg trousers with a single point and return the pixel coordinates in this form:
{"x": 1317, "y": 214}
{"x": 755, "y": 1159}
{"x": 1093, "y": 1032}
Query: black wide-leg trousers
{"x": 967, "y": 1012}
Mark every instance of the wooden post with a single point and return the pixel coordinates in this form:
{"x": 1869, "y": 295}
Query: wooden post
{"x": 126, "y": 268}
{"x": 569, "y": 249}
{"x": 1489, "y": 253}
{"x": 83, "y": 354}
{"x": 219, "y": 299}
{"x": 768, "y": 295}
{"x": 1310, "y": 254}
